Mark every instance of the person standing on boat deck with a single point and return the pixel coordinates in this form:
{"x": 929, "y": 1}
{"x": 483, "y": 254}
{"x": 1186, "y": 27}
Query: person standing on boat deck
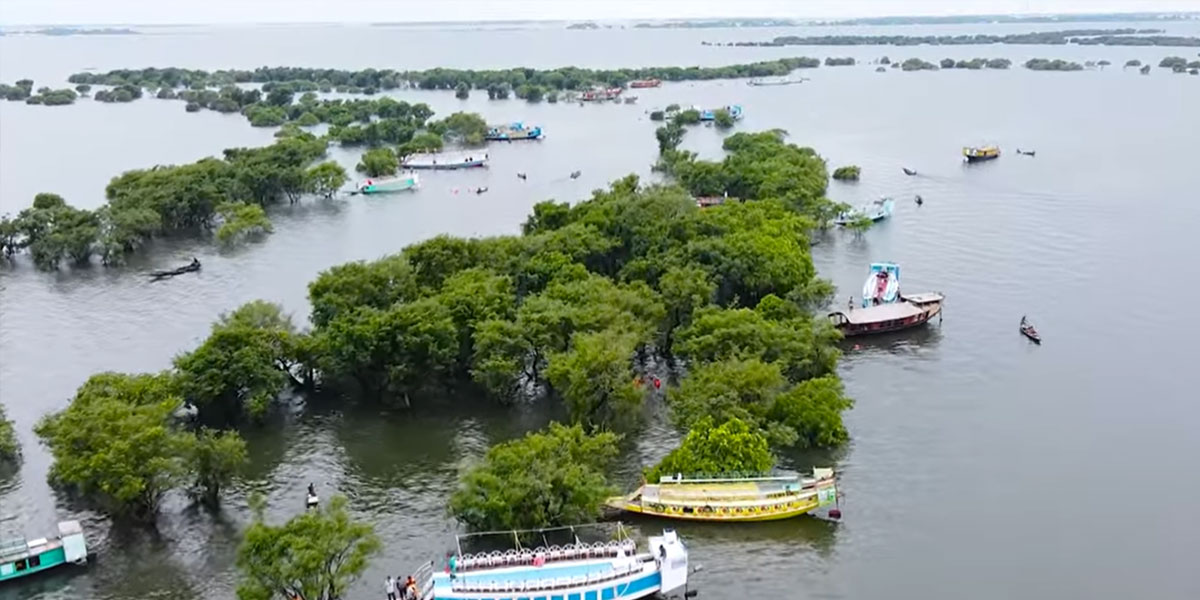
{"x": 389, "y": 585}
{"x": 850, "y": 303}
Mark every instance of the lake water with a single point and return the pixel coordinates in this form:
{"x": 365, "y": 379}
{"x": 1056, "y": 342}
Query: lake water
{"x": 981, "y": 466}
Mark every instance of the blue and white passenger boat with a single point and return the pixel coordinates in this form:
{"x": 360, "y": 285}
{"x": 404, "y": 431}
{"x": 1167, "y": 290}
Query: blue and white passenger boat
{"x": 604, "y": 570}
{"x": 445, "y": 160}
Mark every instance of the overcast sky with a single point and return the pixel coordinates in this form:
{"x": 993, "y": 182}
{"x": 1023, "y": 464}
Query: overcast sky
{"x": 292, "y": 11}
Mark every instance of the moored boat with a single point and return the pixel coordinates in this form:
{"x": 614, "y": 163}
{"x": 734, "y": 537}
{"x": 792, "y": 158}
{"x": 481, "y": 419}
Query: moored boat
{"x": 710, "y": 114}
{"x": 908, "y": 312}
{"x": 981, "y": 153}
{"x": 445, "y": 160}
{"x": 512, "y": 132}
{"x": 1028, "y": 330}
{"x": 645, "y": 83}
{"x": 765, "y": 81}
{"x": 732, "y": 499}
{"x": 882, "y": 285}
{"x": 877, "y": 211}
{"x": 612, "y": 570}
{"x": 388, "y": 184}
{"x": 908, "y": 171}
{"x": 599, "y": 95}
{"x": 20, "y": 556}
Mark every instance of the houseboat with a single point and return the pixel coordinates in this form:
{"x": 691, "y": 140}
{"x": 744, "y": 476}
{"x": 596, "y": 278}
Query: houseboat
{"x": 645, "y": 83}
{"x": 445, "y": 160}
{"x": 905, "y": 313}
{"x": 732, "y": 499}
{"x": 384, "y": 185}
{"x": 882, "y": 285}
{"x": 877, "y": 211}
{"x": 765, "y": 81}
{"x": 601, "y": 95}
{"x": 20, "y": 556}
{"x": 981, "y": 153}
{"x": 608, "y": 570}
{"x": 512, "y": 132}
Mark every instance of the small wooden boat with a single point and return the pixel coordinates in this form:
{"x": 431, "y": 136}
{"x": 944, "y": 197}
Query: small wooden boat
{"x": 188, "y": 268}
{"x": 388, "y": 184}
{"x": 1029, "y": 331}
{"x": 732, "y": 499}
{"x": 1026, "y": 152}
{"x": 481, "y": 190}
{"x": 908, "y": 312}
{"x": 512, "y": 132}
{"x": 981, "y": 153}
{"x": 908, "y": 171}
{"x": 576, "y": 174}
{"x": 445, "y": 160}
{"x": 609, "y": 569}
{"x": 20, "y": 556}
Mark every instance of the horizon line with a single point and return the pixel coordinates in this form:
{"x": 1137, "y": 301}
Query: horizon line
{"x": 1195, "y": 14}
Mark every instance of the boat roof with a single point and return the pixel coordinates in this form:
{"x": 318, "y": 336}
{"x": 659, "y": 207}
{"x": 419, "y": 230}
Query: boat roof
{"x": 882, "y": 312}
{"x": 924, "y": 297}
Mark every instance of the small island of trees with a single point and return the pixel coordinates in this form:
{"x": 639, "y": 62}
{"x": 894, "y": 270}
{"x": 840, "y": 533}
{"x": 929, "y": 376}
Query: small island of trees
{"x": 1045, "y": 64}
{"x": 1083, "y": 37}
{"x": 839, "y": 62}
{"x": 143, "y": 204}
{"x": 847, "y": 173}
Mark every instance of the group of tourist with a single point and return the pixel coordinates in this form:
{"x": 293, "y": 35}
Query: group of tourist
{"x": 401, "y": 589}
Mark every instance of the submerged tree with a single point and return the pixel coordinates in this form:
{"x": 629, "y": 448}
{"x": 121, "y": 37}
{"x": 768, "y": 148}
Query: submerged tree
{"x": 554, "y": 477}
{"x": 325, "y": 179}
{"x": 314, "y": 556}
{"x": 378, "y": 162}
{"x": 215, "y": 459}
{"x": 847, "y": 173}
{"x": 9, "y": 449}
{"x": 733, "y": 448}
{"x": 239, "y": 219}
{"x": 114, "y": 442}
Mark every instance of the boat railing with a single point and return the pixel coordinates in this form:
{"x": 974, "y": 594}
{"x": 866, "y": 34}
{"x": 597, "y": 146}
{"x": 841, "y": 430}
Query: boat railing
{"x": 547, "y": 583}
{"x": 531, "y": 556}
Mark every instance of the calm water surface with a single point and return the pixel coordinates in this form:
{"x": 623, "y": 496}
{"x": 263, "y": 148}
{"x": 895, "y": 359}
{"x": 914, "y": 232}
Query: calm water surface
{"x": 981, "y": 466}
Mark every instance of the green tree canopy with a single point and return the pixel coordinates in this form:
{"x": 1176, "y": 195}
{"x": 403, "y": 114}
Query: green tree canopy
{"x": 595, "y": 378}
{"x": 239, "y": 220}
{"x": 244, "y": 364}
{"x": 314, "y": 556}
{"x": 548, "y": 478}
{"x": 325, "y": 179}
{"x": 215, "y": 459}
{"x": 847, "y": 173}
{"x": 9, "y": 449}
{"x": 113, "y": 442}
{"x": 378, "y": 162}
{"x": 733, "y": 448}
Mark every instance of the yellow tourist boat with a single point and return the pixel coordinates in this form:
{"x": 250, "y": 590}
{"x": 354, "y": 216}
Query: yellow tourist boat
{"x": 980, "y": 153}
{"x": 732, "y": 499}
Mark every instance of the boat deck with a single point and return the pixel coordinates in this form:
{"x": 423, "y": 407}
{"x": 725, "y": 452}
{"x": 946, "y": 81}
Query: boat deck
{"x": 546, "y": 576}
{"x": 882, "y": 312}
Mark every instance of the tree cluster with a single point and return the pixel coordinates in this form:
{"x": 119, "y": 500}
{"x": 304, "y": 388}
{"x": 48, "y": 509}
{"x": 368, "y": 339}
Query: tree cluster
{"x": 146, "y": 203}
{"x": 9, "y": 449}
{"x": 916, "y": 64}
{"x": 1105, "y": 37}
{"x": 370, "y": 80}
{"x": 21, "y": 90}
{"x": 118, "y": 445}
{"x": 51, "y": 97}
{"x": 847, "y": 173}
{"x": 314, "y": 556}
{"x": 732, "y": 449}
{"x": 839, "y": 62}
{"x": 976, "y": 63}
{"x": 544, "y": 479}
{"x": 1045, "y": 64}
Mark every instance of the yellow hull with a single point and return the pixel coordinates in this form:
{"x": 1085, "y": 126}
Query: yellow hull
{"x": 718, "y": 514}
